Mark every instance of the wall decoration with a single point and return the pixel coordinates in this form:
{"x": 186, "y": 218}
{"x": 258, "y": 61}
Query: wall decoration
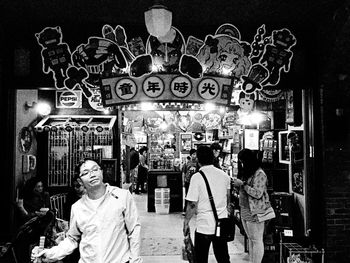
{"x": 185, "y": 142}
{"x": 25, "y": 140}
{"x": 193, "y": 45}
{"x": 224, "y": 61}
{"x": 28, "y": 163}
{"x": 298, "y": 181}
{"x": 228, "y": 29}
{"x": 283, "y": 147}
{"x": 268, "y": 145}
{"x": 68, "y": 99}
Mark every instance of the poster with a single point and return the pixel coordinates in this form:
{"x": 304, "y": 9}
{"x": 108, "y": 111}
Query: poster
{"x": 251, "y": 139}
{"x": 186, "y": 142}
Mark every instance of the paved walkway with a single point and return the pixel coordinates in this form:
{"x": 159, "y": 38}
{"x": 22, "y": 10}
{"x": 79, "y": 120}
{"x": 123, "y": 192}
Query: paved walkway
{"x": 162, "y": 238}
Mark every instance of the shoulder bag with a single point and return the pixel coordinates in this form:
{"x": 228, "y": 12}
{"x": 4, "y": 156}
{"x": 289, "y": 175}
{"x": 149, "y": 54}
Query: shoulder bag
{"x": 267, "y": 215}
{"x": 225, "y": 227}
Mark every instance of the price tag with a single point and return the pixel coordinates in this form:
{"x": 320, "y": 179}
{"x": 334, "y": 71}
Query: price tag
{"x": 288, "y": 232}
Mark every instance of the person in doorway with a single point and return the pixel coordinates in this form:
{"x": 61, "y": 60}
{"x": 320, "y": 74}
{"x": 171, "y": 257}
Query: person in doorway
{"x": 77, "y": 191}
{"x": 35, "y": 202}
{"x": 142, "y": 171}
{"x": 216, "y": 148}
{"x": 198, "y": 202}
{"x": 134, "y": 162}
{"x": 104, "y": 223}
{"x": 188, "y": 170}
{"x": 253, "y": 199}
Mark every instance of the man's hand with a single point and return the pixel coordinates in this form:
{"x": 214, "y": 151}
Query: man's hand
{"x": 38, "y": 254}
{"x": 186, "y": 229}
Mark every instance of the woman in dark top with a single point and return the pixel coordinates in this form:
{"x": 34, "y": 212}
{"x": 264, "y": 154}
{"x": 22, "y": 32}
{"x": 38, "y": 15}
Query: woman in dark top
{"x": 36, "y": 201}
{"x": 78, "y": 190}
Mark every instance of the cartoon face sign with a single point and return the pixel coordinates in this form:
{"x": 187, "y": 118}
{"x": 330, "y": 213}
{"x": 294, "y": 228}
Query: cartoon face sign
{"x": 246, "y": 102}
{"x": 166, "y": 55}
{"x": 224, "y": 55}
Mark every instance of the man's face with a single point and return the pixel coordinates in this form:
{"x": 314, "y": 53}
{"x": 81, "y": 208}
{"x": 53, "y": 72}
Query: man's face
{"x": 39, "y": 187}
{"x": 194, "y": 156}
{"x": 91, "y": 174}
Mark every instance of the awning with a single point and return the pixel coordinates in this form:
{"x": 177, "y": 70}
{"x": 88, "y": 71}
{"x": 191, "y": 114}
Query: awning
{"x": 85, "y": 123}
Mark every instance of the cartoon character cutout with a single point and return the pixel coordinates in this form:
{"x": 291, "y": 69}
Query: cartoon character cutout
{"x": 224, "y": 55}
{"x": 256, "y": 76}
{"x": 76, "y": 79}
{"x": 268, "y": 146}
{"x": 166, "y": 52}
{"x": 246, "y": 106}
{"x": 100, "y": 57}
{"x": 55, "y": 54}
{"x": 278, "y": 56}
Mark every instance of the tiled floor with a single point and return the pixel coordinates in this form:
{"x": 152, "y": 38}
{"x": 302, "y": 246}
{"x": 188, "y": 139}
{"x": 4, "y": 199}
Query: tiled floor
{"x": 162, "y": 237}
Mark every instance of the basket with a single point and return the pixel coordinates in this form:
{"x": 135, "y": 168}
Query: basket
{"x": 162, "y": 200}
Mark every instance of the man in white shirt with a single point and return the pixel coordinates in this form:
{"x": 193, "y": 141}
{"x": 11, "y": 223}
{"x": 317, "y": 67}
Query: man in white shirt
{"x": 104, "y": 223}
{"x": 198, "y": 201}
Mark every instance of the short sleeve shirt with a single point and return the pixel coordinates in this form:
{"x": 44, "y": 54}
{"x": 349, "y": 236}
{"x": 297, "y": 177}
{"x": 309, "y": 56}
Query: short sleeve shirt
{"x": 219, "y": 183}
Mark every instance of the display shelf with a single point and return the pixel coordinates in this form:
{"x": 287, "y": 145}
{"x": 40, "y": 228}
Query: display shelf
{"x": 294, "y": 252}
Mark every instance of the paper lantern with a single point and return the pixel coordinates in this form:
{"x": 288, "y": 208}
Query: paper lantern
{"x": 158, "y": 20}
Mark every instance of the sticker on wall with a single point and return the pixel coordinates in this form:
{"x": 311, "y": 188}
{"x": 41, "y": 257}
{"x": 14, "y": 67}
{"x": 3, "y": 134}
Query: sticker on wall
{"x": 25, "y": 140}
{"x": 68, "y": 99}
{"x": 55, "y": 54}
{"x": 95, "y": 100}
{"x": 193, "y": 45}
{"x": 271, "y": 95}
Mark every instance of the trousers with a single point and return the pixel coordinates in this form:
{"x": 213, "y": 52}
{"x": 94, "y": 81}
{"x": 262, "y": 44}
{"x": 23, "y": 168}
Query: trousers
{"x": 201, "y": 247}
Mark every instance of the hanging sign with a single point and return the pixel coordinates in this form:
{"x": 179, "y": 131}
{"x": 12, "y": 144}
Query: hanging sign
{"x": 165, "y": 87}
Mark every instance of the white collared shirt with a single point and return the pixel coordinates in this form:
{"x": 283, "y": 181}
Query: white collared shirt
{"x": 109, "y": 233}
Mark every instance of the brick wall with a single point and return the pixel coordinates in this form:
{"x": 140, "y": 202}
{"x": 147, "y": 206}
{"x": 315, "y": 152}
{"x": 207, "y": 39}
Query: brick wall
{"x": 337, "y": 205}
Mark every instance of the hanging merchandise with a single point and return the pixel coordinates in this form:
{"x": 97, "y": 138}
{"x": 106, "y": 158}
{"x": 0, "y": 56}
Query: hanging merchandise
{"x": 268, "y": 145}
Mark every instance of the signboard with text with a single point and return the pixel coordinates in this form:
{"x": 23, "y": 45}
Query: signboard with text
{"x": 166, "y": 87}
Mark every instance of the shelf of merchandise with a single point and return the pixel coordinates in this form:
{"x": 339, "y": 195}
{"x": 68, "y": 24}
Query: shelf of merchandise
{"x": 293, "y": 252}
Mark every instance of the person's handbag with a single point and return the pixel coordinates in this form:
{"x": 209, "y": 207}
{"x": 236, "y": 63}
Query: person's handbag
{"x": 267, "y": 215}
{"x": 225, "y": 227}
{"x": 188, "y": 253}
